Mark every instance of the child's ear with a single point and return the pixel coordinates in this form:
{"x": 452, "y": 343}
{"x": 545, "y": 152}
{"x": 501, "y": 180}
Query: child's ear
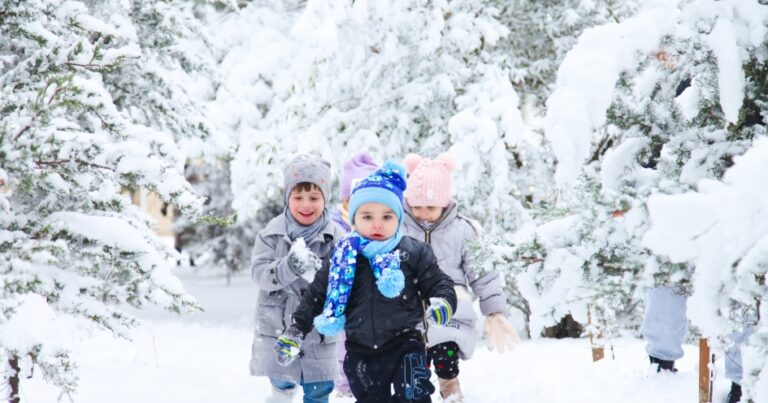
{"x": 448, "y": 161}
{"x": 411, "y": 161}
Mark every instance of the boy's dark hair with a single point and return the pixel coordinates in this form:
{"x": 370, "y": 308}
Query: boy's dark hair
{"x": 306, "y": 187}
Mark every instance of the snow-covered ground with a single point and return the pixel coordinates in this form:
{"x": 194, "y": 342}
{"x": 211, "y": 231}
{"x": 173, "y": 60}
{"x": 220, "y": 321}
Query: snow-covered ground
{"x": 203, "y": 357}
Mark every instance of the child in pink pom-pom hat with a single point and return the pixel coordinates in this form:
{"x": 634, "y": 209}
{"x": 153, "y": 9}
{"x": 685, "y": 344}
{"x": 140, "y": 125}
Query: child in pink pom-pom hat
{"x": 432, "y": 216}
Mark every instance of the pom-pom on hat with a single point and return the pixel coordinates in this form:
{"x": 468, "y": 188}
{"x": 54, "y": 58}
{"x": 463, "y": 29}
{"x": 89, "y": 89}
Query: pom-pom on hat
{"x": 384, "y": 186}
{"x": 305, "y": 168}
{"x": 356, "y": 168}
{"x": 429, "y": 181}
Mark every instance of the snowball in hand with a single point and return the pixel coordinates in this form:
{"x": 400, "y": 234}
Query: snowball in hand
{"x": 306, "y": 259}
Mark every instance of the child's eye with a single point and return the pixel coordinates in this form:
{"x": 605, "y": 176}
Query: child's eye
{"x": 366, "y": 217}
{"x": 388, "y": 217}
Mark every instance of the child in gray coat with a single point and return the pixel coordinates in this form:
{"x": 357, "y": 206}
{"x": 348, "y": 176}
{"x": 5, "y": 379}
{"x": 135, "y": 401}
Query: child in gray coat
{"x": 431, "y": 216}
{"x": 287, "y": 253}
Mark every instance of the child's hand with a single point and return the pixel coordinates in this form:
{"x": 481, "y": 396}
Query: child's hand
{"x": 439, "y": 311}
{"x": 303, "y": 260}
{"x": 500, "y": 333}
{"x": 288, "y": 346}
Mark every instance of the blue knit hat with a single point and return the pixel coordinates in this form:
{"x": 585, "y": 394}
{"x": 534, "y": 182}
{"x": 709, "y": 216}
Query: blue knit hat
{"x": 384, "y": 186}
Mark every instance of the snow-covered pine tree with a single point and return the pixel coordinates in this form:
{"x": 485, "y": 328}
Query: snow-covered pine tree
{"x": 400, "y": 77}
{"x": 168, "y": 86}
{"x": 542, "y": 32}
{"x": 719, "y": 225}
{"x": 73, "y": 250}
{"x": 392, "y": 78}
{"x": 569, "y": 259}
{"x": 253, "y": 50}
{"x": 217, "y": 243}
{"x": 679, "y": 116}
{"x": 641, "y": 107}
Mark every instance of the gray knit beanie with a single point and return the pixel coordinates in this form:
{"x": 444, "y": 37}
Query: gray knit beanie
{"x": 305, "y": 168}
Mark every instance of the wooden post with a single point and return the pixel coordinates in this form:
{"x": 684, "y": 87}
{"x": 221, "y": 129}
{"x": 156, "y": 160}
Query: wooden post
{"x": 598, "y": 352}
{"x": 705, "y": 371}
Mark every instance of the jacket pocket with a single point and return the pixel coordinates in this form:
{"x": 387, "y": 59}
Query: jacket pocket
{"x": 320, "y": 347}
{"x": 270, "y": 313}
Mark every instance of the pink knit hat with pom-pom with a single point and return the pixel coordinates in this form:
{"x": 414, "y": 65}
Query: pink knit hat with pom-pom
{"x": 429, "y": 181}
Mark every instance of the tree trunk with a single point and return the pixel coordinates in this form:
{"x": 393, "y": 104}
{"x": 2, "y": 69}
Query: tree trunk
{"x": 596, "y": 341}
{"x": 13, "y": 380}
{"x": 567, "y": 328}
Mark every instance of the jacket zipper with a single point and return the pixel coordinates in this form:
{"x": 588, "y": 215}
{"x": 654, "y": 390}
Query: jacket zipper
{"x": 428, "y": 240}
{"x": 373, "y": 322}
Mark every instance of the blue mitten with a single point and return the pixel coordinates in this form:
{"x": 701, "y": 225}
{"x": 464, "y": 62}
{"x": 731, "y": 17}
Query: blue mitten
{"x": 288, "y": 346}
{"x": 439, "y": 311}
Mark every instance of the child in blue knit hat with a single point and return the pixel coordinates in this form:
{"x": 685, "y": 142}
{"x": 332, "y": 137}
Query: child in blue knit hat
{"x": 375, "y": 289}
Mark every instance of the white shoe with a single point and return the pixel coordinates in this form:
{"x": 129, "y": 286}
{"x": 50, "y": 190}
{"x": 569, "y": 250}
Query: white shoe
{"x": 281, "y": 396}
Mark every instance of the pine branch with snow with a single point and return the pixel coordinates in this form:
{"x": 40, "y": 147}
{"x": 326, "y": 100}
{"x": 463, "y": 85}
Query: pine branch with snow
{"x": 216, "y": 243}
{"x": 542, "y": 33}
{"x": 393, "y": 78}
{"x": 72, "y": 247}
{"x": 673, "y": 106}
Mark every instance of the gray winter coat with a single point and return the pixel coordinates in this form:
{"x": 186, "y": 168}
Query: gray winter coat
{"x": 448, "y": 238}
{"x": 280, "y": 291}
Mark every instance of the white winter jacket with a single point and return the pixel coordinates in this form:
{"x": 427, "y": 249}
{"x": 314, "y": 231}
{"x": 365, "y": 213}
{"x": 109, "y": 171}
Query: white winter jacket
{"x": 448, "y": 238}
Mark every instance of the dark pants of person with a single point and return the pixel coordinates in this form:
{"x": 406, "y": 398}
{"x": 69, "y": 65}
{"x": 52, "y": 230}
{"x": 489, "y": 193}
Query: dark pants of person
{"x": 444, "y": 359}
{"x": 371, "y": 376}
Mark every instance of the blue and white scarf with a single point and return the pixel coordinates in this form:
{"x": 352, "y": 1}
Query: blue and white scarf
{"x": 341, "y": 276}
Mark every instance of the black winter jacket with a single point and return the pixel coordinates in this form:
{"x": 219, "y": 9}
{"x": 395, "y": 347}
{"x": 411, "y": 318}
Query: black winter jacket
{"x": 373, "y": 320}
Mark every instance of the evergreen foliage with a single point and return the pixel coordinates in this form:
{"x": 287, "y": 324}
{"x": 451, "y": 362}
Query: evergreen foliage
{"x": 392, "y": 78}
{"x": 673, "y": 120}
{"x": 74, "y": 132}
{"x": 217, "y": 243}
{"x": 542, "y": 33}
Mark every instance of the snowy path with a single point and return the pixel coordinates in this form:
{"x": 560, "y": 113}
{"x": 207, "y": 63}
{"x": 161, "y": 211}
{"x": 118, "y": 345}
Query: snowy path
{"x": 204, "y": 358}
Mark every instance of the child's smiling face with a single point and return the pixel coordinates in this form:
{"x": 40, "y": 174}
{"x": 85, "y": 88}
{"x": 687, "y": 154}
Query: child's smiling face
{"x": 375, "y": 221}
{"x": 306, "y": 205}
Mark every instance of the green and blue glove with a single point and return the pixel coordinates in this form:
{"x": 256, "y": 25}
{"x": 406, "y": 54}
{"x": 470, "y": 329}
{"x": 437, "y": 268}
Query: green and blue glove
{"x": 288, "y": 346}
{"x": 439, "y": 311}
